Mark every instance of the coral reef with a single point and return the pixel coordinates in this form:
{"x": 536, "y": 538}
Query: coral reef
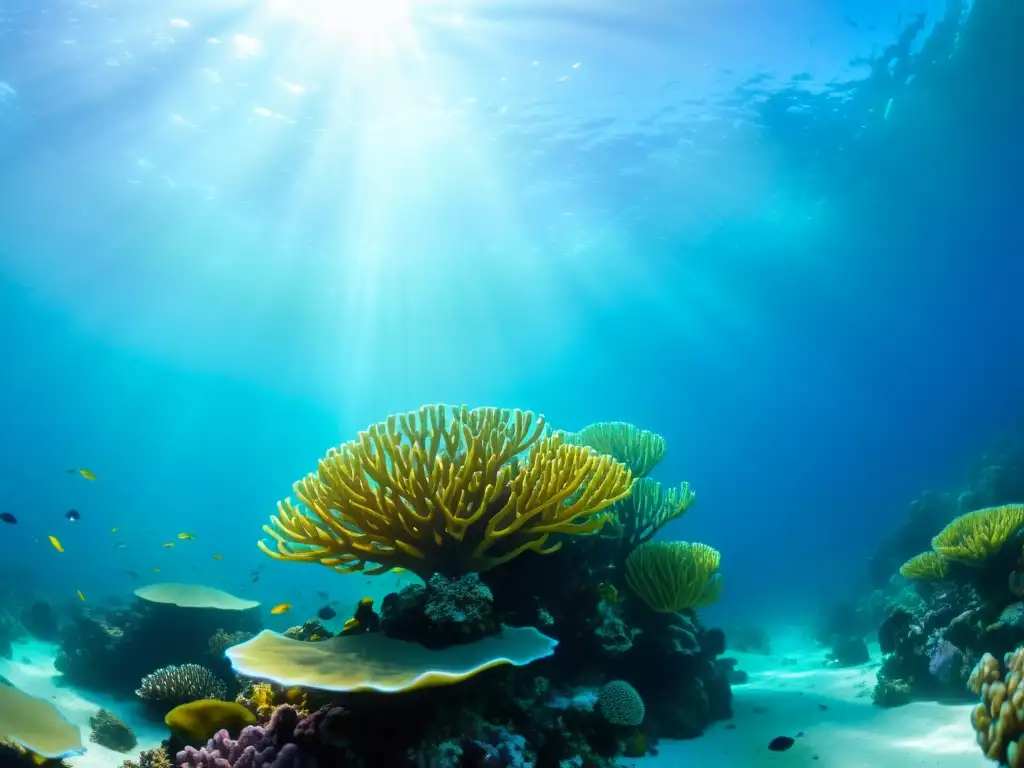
{"x": 111, "y": 648}
{"x": 549, "y": 628}
{"x": 110, "y": 731}
{"x": 441, "y": 612}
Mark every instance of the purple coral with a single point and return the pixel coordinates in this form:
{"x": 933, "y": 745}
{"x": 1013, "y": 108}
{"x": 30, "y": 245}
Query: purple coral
{"x": 945, "y": 660}
{"x": 286, "y": 742}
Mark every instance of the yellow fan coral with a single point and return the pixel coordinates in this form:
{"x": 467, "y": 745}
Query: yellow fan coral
{"x": 445, "y": 490}
{"x": 648, "y": 507}
{"x": 928, "y": 566}
{"x": 974, "y": 537}
{"x": 674, "y": 575}
{"x": 637, "y": 448}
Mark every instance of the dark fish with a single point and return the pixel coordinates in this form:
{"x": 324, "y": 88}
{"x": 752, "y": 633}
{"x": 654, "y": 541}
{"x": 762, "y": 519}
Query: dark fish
{"x": 7, "y": 517}
{"x": 324, "y": 596}
{"x": 781, "y": 743}
{"x": 132, "y": 574}
{"x": 255, "y": 578}
{"x": 327, "y": 613}
{"x": 72, "y": 515}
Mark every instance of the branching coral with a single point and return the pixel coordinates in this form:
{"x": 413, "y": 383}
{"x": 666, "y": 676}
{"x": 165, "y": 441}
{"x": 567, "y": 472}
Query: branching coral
{"x": 675, "y": 575}
{"x": 974, "y": 537}
{"x": 928, "y": 566}
{"x": 180, "y": 684}
{"x": 446, "y": 490}
{"x": 637, "y": 448}
{"x": 648, "y": 507}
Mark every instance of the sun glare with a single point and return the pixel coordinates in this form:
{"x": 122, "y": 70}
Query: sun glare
{"x": 361, "y": 20}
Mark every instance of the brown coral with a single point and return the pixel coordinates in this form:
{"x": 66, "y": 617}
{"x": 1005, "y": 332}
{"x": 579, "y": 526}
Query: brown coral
{"x": 998, "y": 720}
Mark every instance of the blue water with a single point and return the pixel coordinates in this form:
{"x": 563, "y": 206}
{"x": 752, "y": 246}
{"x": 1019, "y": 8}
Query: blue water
{"x": 232, "y": 235}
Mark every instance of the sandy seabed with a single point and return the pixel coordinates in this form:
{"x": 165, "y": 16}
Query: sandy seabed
{"x": 828, "y": 712}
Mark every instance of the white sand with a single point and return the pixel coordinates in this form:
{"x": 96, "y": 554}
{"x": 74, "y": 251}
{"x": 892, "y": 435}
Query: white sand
{"x": 784, "y": 698}
{"x": 31, "y": 669}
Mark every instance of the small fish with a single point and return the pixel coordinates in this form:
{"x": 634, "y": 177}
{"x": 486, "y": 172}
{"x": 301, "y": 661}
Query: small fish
{"x": 120, "y": 545}
{"x": 326, "y": 613}
{"x": 88, "y": 474}
{"x": 81, "y": 596}
{"x": 156, "y": 570}
{"x": 398, "y": 570}
{"x": 168, "y": 544}
{"x": 255, "y": 578}
{"x": 132, "y": 574}
{"x": 115, "y": 529}
{"x": 218, "y": 556}
{"x": 280, "y": 608}
{"x": 781, "y": 744}
{"x": 72, "y": 515}
{"x": 323, "y": 595}
{"x": 8, "y": 518}
{"x": 56, "y": 543}
{"x": 185, "y": 536}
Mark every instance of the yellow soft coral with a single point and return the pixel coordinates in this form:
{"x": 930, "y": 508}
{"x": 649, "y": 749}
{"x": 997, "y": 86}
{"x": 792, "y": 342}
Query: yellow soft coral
{"x": 928, "y": 566}
{"x": 674, "y": 575}
{"x": 648, "y": 507}
{"x": 637, "y": 448}
{"x": 446, "y": 490}
{"x": 974, "y": 537}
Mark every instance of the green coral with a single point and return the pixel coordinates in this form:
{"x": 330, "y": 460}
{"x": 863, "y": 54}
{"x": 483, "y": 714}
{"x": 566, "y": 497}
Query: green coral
{"x": 927, "y": 566}
{"x": 976, "y": 536}
{"x": 648, "y": 507}
{"x": 674, "y": 575}
{"x": 637, "y": 448}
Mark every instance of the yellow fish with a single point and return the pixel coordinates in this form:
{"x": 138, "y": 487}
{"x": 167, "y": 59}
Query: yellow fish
{"x": 218, "y": 556}
{"x": 81, "y": 596}
{"x": 281, "y": 608}
{"x": 115, "y": 529}
{"x": 184, "y": 536}
{"x": 168, "y": 544}
{"x": 398, "y": 570}
{"x": 156, "y": 570}
{"x": 88, "y": 474}
{"x": 56, "y": 543}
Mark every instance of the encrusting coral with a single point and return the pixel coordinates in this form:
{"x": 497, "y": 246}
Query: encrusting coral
{"x": 197, "y": 721}
{"x": 637, "y": 448}
{"x": 112, "y": 732}
{"x": 620, "y": 704}
{"x": 674, "y": 575}
{"x": 996, "y": 720}
{"x": 446, "y": 490}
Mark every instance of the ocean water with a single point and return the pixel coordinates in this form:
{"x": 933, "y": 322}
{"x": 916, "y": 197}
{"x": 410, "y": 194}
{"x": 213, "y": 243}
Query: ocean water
{"x": 233, "y": 234}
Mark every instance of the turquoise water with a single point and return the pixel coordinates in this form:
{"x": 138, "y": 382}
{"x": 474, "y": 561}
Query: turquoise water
{"x": 234, "y": 234}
